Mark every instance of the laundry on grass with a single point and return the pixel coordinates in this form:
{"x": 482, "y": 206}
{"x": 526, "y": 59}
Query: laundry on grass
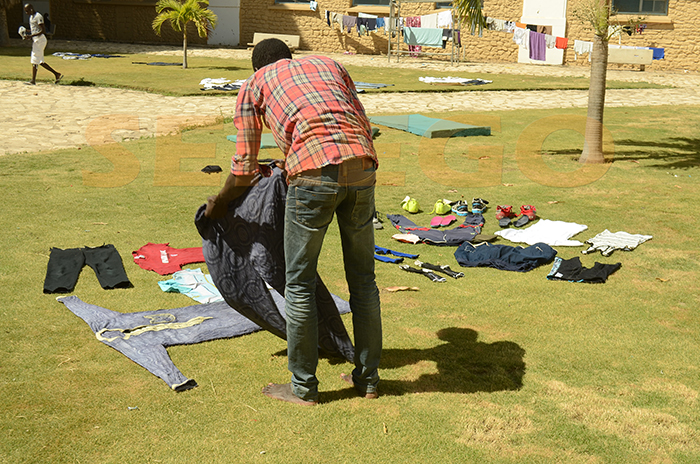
{"x": 64, "y": 268}
{"x": 193, "y": 283}
{"x": 504, "y": 257}
{"x": 470, "y": 228}
{"x": 554, "y": 233}
{"x": 144, "y": 336}
{"x": 607, "y": 242}
{"x": 220, "y": 83}
{"x": 164, "y": 259}
{"x": 573, "y": 271}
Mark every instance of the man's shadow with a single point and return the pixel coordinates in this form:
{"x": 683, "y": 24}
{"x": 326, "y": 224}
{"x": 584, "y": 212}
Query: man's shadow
{"x": 464, "y": 365}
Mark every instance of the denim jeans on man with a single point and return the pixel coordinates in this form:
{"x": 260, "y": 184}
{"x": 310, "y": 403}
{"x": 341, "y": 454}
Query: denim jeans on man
{"x": 313, "y": 197}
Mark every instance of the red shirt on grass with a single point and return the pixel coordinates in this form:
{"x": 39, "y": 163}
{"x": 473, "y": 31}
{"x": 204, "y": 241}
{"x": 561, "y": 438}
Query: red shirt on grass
{"x": 311, "y": 105}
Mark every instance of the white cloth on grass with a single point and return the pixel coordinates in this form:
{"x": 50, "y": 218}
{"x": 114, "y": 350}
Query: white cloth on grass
{"x": 606, "y": 242}
{"x": 553, "y": 233}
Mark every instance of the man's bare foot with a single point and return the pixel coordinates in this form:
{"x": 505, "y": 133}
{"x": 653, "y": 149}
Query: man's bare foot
{"x": 369, "y": 395}
{"x": 283, "y": 392}
{"x": 59, "y": 77}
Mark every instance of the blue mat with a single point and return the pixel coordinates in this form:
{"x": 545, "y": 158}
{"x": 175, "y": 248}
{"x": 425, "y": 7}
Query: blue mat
{"x": 266, "y": 141}
{"x": 430, "y": 127}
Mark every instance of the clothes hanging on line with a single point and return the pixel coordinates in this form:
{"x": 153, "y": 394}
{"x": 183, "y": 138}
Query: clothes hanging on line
{"x": 423, "y": 36}
{"x": 538, "y": 46}
{"x": 444, "y": 19}
{"x": 521, "y": 36}
{"x": 582, "y": 47}
{"x": 550, "y": 40}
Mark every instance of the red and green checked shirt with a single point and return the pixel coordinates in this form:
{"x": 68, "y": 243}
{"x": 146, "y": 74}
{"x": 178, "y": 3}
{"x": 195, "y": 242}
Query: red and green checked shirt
{"x": 311, "y": 106}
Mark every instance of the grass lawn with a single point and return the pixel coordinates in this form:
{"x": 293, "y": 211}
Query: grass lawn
{"x": 497, "y": 367}
{"x": 122, "y": 72}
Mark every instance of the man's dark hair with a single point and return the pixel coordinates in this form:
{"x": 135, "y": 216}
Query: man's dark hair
{"x": 269, "y": 51}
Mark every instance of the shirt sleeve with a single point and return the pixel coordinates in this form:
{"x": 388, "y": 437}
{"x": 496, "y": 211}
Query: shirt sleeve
{"x": 249, "y": 124}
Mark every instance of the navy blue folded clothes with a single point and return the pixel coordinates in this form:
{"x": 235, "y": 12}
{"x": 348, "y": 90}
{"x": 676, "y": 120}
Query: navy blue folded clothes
{"x": 573, "y": 271}
{"x": 504, "y": 257}
{"x": 385, "y": 251}
{"x": 244, "y": 252}
{"x": 465, "y": 232}
{"x": 144, "y": 336}
{"x": 64, "y": 268}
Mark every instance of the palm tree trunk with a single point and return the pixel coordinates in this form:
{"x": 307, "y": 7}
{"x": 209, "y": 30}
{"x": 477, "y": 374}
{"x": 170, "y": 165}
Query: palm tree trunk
{"x": 4, "y": 31}
{"x": 593, "y": 143}
{"x": 184, "y": 47}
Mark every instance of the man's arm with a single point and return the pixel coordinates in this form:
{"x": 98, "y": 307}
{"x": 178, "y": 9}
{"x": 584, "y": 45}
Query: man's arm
{"x": 217, "y": 205}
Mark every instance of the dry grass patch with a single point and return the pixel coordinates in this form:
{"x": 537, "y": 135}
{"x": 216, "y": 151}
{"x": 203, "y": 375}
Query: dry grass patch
{"x": 644, "y": 428}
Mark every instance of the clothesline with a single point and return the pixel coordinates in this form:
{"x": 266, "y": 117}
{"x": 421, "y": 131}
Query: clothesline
{"x": 365, "y": 23}
{"x": 537, "y": 41}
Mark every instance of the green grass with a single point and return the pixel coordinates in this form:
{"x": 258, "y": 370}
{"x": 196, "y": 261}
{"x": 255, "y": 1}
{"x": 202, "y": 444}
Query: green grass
{"x": 173, "y": 80}
{"x": 496, "y": 367}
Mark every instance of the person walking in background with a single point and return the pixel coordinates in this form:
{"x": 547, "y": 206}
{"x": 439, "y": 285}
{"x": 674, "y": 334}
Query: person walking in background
{"x": 37, "y": 31}
{"x": 317, "y": 120}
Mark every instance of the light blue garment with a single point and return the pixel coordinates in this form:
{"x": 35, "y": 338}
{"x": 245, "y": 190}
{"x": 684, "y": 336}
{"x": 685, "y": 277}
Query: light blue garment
{"x": 425, "y": 36}
{"x": 193, "y": 283}
{"x": 312, "y": 200}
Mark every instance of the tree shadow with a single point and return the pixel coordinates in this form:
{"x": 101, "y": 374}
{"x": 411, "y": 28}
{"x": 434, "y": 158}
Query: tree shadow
{"x": 222, "y": 68}
{"x": 463, "y": 364}
{"x": 672, "y": 153}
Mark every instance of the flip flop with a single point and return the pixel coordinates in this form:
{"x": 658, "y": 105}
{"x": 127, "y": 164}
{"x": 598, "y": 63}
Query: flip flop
{"x": 436, "y": 222}
{"x": 447, "y": 220}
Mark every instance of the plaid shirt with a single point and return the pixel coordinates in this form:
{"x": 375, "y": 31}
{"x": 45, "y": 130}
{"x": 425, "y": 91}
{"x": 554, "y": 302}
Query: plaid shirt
{"x": 311, "y": 106}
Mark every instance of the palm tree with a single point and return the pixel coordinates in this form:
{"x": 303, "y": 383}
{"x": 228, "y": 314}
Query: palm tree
{"x": 180, "y": 14}
{"x": 470, "y": 14}
{"x": 597, "y": 14}
{"x": 4, "y": 31}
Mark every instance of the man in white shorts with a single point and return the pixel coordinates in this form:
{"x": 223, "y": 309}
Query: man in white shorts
{"x": 36, "y": 26}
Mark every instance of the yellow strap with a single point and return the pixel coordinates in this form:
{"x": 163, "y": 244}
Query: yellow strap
{"x": 150, "y": 328}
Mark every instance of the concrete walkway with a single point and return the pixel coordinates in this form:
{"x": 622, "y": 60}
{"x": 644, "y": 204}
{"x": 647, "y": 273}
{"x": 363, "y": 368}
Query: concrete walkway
{"x": 46, "y": 116}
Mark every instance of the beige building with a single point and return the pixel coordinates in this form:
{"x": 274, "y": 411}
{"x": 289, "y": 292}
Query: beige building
{"x": 665, "y": 24}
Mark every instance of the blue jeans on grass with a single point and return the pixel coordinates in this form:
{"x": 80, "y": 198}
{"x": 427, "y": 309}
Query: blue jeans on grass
{"x": 313, "y": 197}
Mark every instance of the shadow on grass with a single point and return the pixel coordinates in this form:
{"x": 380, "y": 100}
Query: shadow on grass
{"x": 15, "y": 51}
{"x": 672, "y": 153}
{"x": 81, "y": 83}
{"x": 223, "y": 68}
{"x": 464, "y": 365}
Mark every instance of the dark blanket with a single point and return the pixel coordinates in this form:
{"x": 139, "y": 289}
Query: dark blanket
{"x": 245, "y": 250}
{"x": 504, "y": 257}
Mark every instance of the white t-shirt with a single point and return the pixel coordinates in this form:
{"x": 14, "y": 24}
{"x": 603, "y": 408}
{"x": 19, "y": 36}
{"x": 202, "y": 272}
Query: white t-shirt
{"x": 34, "y": 21}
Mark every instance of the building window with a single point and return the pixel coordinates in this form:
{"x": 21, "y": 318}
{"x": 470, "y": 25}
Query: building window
{"x": 440, "y": 5}
{"x": 291, "y": 1}
{"x": 370, "y": 2}
{"x": 653, "y": 7}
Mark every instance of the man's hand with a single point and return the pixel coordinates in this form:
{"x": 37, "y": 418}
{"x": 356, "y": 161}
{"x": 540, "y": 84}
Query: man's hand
{"x": 216, "y": 208}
